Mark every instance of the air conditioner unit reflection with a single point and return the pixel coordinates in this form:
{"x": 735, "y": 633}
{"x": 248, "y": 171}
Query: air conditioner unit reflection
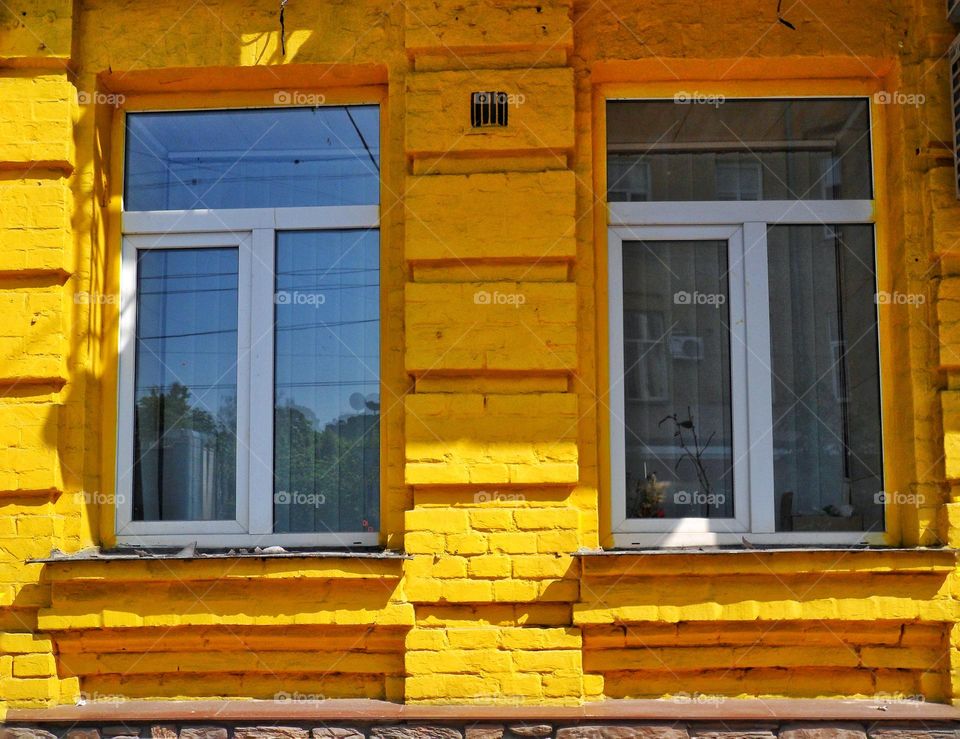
{"x": 683, "y": 346}
{"x": 180, "y": 477}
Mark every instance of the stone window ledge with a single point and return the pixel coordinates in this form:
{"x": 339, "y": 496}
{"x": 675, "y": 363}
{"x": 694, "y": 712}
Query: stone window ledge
{"x": 768, "y": 560}
{"x": 767, "y": 712}
{"x": 137, "y": 554}
{"x": 765, "y": 549}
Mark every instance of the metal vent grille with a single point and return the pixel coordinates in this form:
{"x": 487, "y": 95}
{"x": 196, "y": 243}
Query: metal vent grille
{"x": 955, "y": 98}
{"x": 953, "y": 11}
{"x": 490, "y": 108}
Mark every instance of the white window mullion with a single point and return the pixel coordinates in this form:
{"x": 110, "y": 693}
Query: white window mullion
{"x": 759, "y": 379}
{"x": 261, "y": 381}
{"x": 617, "y": 395}
{"x": 738, "y": 316}
{"x": 127, "y": 382}
{"x": 244, "y": 285}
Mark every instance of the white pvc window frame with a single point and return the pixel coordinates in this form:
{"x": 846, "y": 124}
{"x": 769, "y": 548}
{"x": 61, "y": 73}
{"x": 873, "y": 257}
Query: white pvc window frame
{"x": 744, "y": 226}
{"x": 253, "y": 232}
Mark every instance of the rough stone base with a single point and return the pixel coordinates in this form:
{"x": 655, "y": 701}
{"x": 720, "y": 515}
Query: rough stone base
{"x": 489, "y": 730}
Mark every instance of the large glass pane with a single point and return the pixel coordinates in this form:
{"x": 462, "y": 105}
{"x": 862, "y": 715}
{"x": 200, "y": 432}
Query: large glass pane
{"x": 679, "y": 437}
{"x": 699, "y": 148}
{"x": 277, "y": 157}
{"x": 327, "y": 402}
{"x": 185, "y": 422}
{"x": 826, "y": 385}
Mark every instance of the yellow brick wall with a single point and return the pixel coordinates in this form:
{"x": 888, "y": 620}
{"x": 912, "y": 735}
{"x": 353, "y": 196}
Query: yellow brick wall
{"x": 494, "y": 444}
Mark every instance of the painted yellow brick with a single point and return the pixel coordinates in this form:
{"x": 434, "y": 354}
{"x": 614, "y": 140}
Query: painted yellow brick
{"x": 467, "y": 544}
{"x": 506, "y": 215}
{"x": 34, "y": 665}
{"x": 37, "y": 118}
{"x": 513, "y": 543}
{"x": 466, "y": 591}
{"x": 32, "y": 337}
{"x": 492, "y": 519}
{"x": 515, "y": 590}
{"x": 424, "y": 542}
{"x": 481, "y": 637}
{"x": 35, "y": 231}
{"x": 22, "y": 643}
{"x": 40, "y": 526}
{"x": 513, "y": 439}
{"x": 450, "y": 687}
{"x": 540, "y": 26}
{"x": 436, "y": 120}
{"x": 547, "y": 518}
{"x": 441, "y": 567}
{"x": 546, "y": 660}
{"x": 540, "y": 638}
{"x": 950, "y": 405}
{"x": 493, "y": 565}
{"x": 426, "y": 640}
{"x": 25, "y": 689}
{"x": 544, "y": 566}
{"x": 558, "y": 541}
{"x": 437, "y": 520}
{"x": 453, "y": 661}
{"x": 558, "y": 590}
{"x": 901, "y": 658}
{"x": 424, "y": 589}
{"x": 519, "y": 684}
{"x": 555, "y": 686}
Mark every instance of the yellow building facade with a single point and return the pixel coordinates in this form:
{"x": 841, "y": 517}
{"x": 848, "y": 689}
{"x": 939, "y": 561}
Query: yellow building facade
{"x": 496, "y": 577}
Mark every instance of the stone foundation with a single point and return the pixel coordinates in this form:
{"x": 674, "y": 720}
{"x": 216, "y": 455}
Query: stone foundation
{"x": 489, "y": 730}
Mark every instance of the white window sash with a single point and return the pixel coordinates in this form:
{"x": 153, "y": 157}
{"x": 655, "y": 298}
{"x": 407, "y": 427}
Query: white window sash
{"x": 745, "y": 225}
{"x": 733, "y": 237}
{"x": 253, "y": 233}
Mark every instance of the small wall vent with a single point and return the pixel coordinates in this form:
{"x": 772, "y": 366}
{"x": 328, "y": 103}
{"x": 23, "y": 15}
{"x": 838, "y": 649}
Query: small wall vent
{"x": 490, "y": 108}
{"x": 954, "y": 55}
{"x": 953, "y": 11}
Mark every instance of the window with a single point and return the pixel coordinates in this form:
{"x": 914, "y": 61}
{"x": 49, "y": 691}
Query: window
{"x": 250, "y": 328}
{"x": 746, "y": 325}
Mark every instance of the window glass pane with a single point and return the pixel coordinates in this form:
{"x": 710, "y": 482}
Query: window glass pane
{"x": 715, "y": 149}
{"x": 185, "y": 423}
{"x": 826, "y": 385}
{"x": 679, "y": 438}
{"x": 327, "y": 402}
{"x": 276, "y": 157}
